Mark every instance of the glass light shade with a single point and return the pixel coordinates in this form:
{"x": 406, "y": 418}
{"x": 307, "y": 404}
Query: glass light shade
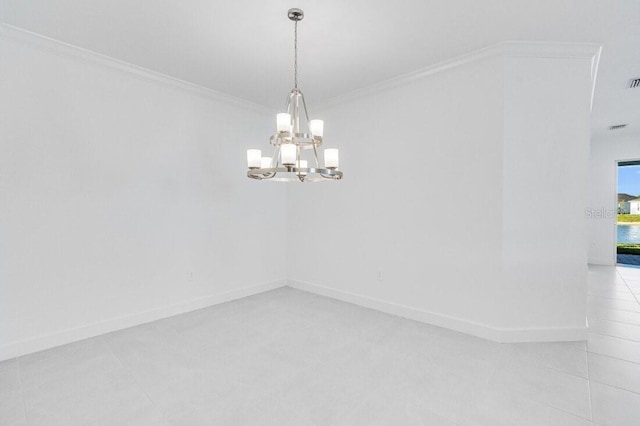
{"x": 265, "y": 163}
{"x": 331, "y": 158}
{"x": 288, "y": 153}
{"x": 284, "y": 122}
{"x": 254, "y": 158}
{"x": 316, "y": 127}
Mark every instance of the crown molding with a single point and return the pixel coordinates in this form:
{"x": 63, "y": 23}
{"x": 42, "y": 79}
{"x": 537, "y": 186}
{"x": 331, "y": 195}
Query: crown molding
{"x": 504, "y": 49}
{"x": 539, "y": 49}
{"x": 610, "y": 137}
{"x": 70, "y": 51}
{"x": 531, "y": 49}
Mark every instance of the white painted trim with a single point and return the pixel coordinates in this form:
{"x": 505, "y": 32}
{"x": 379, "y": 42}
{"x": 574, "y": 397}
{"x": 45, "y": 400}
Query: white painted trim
{"x": 551, "y": 49}
{"x": 47, "y": 341}
{"x": 595, "y": 63}
{"x": 501, "y": 335}
{"x": 70, "y": 51}
{"x": 602, "y": 262}
{"x": 507, "y": 48}
{"x": 612, "y": 138}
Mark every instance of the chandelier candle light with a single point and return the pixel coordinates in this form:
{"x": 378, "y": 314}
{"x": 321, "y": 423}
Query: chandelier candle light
{"x": 292, "y": 142}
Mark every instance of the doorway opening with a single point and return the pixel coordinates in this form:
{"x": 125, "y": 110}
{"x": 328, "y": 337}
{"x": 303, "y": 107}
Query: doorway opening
{"x": 628, "y": 226}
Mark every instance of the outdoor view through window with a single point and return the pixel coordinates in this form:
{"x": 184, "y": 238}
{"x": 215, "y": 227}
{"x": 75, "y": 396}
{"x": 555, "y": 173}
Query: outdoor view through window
{"x": 628, "y": 243}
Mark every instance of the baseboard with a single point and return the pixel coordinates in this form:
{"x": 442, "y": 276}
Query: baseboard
{"x": 602, "y": 261}
{"x": 501, "y": 335}
{"x": 86, "y": 331}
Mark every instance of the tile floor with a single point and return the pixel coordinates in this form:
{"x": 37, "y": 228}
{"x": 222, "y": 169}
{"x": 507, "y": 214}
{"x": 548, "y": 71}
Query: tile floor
{"x": 288, "y": 357}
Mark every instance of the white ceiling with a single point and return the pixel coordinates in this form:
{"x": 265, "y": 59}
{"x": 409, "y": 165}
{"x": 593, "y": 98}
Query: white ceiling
{"x": 244, "y": 47}
{"x": 614, "y": 103}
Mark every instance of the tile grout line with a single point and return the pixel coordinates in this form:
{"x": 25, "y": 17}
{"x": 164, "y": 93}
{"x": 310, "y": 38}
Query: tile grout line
{"x": 108, "y": 343}
{"x": 135, "y": 379}
{"x": 599, "y": 296}
{"x": 24, "y": 403}
{"x": 566, "y": 373}
{"x": 619, "y": 309}
{"x": 614, "y": 386}
{"x": 601, "y": 333}
{"x": 589, "y": 385}
{"x": 596, "y": 299}
{"x": 615, "y": 338}
{"x": 589, "y": 354}
{"x": 615, "y": 357}
{"x": 570, "y": 413}
{"x": 627, "y": 285}
{"x": 621, "y": 322}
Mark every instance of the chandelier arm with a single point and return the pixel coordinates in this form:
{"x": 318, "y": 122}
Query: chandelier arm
{"x": 315, "y": 154}
{"x": 289, "y": 98}
{"x": 276, "y": 157}
{"x": 304, "y": 104}
{"x": 273, "y": 174}
{"x": 298, "y": 163}
{"x": 305, "y": 174}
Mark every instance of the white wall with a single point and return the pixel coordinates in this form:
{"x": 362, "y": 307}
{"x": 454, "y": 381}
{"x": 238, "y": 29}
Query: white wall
{"x": 409, "y": 154}
{"x": 122, "y": 197}
{"x": 491, "y": 133}
{"x": 603, "y": 200}
{"x": 545, "y": 172}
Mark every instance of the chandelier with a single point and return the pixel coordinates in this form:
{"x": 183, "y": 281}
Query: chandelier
{"x": 297, "y": 141}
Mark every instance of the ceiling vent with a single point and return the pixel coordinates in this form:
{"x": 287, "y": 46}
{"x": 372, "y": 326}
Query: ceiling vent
{"x": 634, "y": 83}
{"x": 617, "y": 126}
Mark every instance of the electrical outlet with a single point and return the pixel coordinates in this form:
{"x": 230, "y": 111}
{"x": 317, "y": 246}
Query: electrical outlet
{"x": 379, "y": 275}
{"x": 190, "y": 276}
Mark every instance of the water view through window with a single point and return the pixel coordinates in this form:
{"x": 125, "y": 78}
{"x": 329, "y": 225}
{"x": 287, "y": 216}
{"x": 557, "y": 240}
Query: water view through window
{"x": 629, "y": 234}
{"x": 628, "y": 240}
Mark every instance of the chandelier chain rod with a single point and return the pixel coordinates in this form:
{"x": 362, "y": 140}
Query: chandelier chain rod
{"x": 295, "y": 55}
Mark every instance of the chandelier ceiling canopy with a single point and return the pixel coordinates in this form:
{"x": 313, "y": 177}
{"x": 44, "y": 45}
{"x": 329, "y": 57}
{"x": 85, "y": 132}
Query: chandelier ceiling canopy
{"x": 297, "y": 139}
